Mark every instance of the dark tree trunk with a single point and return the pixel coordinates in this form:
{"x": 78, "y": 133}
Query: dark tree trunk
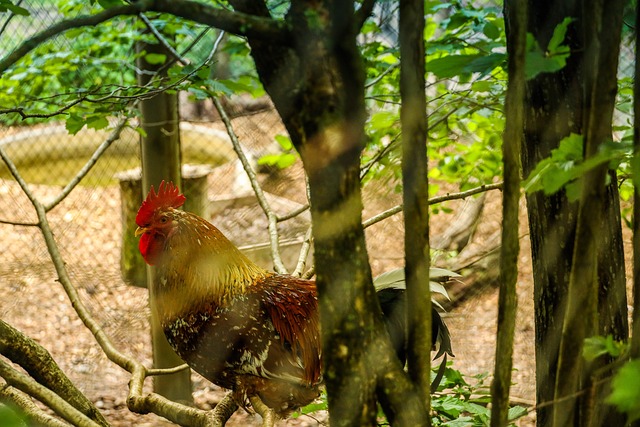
{"x": 317, "y": 86}
{"x": 555, "y": 107}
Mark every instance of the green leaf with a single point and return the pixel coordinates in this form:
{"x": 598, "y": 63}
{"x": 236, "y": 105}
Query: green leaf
{"x": 140, "y": 131}
{"x": 98, "y": 123}
{"x": 155, "y": 58}
{"x": 199, "y": 94}
{"x": 555, "y": 56}
{"x": 491, "y": 30}
{"x": 626, "y": 393}
{"x": 458, "y": 65}
{"x": 17, "y": 10}
{"x": 559, "y": 34}
{"x": 516, "y": 412}
{"x": 383, "y": 120}
{"x": 9, "y": 418}
{"x": 597, "y": 346}
{"x": 281, "y": 160}
{"x": 284, "y": 141}
{"x": 552, "y": 173}
{"x": 74, "y": 123}
{"x": 106, "y": 4}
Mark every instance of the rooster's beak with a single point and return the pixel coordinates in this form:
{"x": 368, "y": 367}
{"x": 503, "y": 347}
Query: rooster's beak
{"x": 140, "y": 231}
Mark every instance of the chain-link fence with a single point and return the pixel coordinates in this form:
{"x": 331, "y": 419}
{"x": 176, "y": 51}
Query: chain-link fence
{"x": 88, "y": 223}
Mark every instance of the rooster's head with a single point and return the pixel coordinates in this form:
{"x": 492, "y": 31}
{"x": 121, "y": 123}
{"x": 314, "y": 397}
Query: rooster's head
{"x": 156, "y": 218}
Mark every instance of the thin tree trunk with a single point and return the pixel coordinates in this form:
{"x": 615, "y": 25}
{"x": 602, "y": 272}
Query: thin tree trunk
{"x": 516, "y": 19}
{"x": 160, "y": 148}
{"x": 415, "y": 194}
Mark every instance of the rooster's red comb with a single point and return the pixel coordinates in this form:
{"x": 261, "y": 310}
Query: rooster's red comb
{"x": 168, "y": 196}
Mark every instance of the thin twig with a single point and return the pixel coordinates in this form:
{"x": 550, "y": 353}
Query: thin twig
{"x": 434, "y": 200}
{"x": 147, "y": 22}
{"x": 262, "y": 200}
{"x": 294, "y": 213}
{"x": 22, "y": 224}
{"x": 167, "y": 371}
{"x": 114, "y": 136}
{"x": 304, "y": 252}
{"x": 380, "y": 77}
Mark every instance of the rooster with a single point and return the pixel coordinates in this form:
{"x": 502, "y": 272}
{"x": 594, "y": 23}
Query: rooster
{"x": 242, "y": 327}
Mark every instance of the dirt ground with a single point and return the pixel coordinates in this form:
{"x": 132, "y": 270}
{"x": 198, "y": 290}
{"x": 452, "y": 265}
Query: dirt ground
{"x": 88, "y": 229}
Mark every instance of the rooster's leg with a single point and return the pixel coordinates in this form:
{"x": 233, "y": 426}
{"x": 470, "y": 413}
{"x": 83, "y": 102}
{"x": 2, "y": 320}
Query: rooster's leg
{"x": 268, "y": 415}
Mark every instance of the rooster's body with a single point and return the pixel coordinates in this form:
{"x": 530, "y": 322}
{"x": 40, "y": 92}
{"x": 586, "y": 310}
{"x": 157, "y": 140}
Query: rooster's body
{"x": 244, "y": 328}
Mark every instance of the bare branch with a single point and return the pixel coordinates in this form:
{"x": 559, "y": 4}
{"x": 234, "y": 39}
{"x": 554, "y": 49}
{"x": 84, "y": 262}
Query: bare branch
{"x": 59, "y": 111}
{"x": 22, "y": 224}
{"x": 60, "y": 406}
{"x": 114, "y": 136}
{"x": 262, "y": 200}
{"x": 162, "y": 40}
{"x": 167, "y": 371}
{"x": 238, "y": 23}
{"x": 38, "y": 363}
{"x": 304, "y": 252}
{"x": 432, "y": 201}
{"x": 293, "y": 213}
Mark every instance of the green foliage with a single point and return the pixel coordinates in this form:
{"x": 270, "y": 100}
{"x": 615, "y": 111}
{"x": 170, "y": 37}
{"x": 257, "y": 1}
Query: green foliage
{"x": 457, "y": 403}
{"x": 460, "y": 403}
{"x": 285, "y": 158}
{"x": 566, "y": 165}
{"x": 10, "y": 418}
{"x": 625, "y": 393}
{"x": 465, "y": 57}
{"x": 598, "y": 346}
{"x": 553, "y": 58}
{"x": 9, "y": 6}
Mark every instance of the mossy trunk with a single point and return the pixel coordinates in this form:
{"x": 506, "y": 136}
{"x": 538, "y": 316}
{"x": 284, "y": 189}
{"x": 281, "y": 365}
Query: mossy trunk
{"x": 556, "y": 105}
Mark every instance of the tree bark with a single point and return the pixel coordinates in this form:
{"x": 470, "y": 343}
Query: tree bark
{"x": 516, "y": 15}
{"x": 556, "y": 105}
{"x": 413, "y": 116}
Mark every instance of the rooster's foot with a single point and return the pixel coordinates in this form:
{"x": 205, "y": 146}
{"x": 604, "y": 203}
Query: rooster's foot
{"x": 269, "y": 417}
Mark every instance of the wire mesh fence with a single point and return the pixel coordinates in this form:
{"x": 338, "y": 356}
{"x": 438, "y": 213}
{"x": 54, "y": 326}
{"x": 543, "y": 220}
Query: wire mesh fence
{"x": 88, "y": 223}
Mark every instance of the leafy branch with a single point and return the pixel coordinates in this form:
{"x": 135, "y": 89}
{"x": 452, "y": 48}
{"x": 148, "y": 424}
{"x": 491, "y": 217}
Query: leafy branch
{"x": 234, "y": 22}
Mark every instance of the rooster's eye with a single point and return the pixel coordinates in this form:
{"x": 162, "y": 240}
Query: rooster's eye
{"x": 164, "y": 219}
